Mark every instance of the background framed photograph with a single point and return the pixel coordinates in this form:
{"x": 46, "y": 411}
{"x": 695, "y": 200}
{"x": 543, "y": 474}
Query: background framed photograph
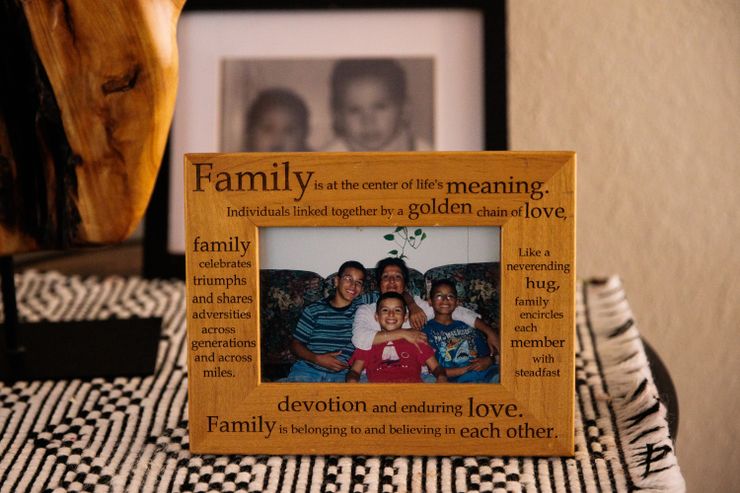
{"x": 281, "y": 65}
{"x": 345, "y": 104}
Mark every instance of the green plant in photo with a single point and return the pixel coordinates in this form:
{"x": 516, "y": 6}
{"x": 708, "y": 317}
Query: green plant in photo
{"x": 402, "y": 237}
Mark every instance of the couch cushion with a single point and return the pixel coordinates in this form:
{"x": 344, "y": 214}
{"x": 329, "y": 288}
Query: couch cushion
{"x": 283, "y": 294}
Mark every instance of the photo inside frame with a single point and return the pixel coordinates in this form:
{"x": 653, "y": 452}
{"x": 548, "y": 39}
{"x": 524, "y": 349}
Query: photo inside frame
{"x": 299, "y": 267}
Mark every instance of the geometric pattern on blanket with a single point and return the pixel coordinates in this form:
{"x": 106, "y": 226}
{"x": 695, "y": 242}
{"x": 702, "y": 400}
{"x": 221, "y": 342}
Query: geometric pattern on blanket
{"x": 130, "y": 434}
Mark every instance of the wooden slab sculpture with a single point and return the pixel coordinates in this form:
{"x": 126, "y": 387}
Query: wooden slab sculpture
{"x": 87, "y": 92}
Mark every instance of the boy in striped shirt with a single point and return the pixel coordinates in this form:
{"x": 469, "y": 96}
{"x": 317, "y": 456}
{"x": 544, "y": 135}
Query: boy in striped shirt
{"x": 322, "y": 339}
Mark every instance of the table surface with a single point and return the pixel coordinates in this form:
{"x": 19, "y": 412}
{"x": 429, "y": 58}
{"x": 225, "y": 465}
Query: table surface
{"x": 130, "y": 434}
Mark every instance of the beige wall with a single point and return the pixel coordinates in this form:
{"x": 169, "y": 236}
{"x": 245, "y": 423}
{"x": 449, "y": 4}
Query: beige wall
{"x": 648, "y": 94}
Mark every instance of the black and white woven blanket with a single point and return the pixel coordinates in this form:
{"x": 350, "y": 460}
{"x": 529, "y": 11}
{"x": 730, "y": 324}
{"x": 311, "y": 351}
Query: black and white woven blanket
{"x": 130, "y": 434}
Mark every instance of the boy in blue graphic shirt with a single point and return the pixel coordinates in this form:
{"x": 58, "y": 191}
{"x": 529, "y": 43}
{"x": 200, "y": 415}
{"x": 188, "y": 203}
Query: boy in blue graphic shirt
{"x": 322, "y": 339}
{"x": 460, "y": 349}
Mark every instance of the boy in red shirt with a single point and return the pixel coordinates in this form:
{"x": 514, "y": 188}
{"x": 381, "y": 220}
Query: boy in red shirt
{"x": 393, "y": 361}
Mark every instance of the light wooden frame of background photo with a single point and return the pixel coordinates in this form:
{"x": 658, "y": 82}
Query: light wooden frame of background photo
{"x": 529, "y": 195}
{"x": 163, "y": 246}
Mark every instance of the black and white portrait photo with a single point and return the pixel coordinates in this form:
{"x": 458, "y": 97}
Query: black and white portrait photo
{"x": 342, "y": 104}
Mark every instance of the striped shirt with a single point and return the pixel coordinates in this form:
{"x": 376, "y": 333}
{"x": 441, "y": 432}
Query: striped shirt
{"x": 325, "y": 329}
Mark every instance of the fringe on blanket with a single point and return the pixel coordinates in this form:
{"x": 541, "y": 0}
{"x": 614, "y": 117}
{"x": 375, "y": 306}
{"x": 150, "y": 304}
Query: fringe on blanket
{"x": 641, "y": 419}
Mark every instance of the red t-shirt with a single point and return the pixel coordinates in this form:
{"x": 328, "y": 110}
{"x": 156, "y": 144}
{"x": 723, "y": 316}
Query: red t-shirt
{"x": 394, "y": 361}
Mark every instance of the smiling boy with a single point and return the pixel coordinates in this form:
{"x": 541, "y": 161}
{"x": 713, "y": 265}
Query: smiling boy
{"x": 460, "y": 349}
{"x": 322, "y": 338}
{"x": 396, "y": 360}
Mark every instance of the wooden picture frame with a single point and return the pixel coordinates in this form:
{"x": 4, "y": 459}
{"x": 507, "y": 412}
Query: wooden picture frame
{"x": 233, "y": 198}
{"x": 163, "y": 231}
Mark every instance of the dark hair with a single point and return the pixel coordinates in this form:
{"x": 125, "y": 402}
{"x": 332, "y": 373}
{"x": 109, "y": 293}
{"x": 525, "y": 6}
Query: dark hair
{"x": 351, "y": 264}
{"x": 442, "y": 282}
{"x": 387, "y": 70}
{"x": 277, "y": 98}
{"x": 390, "y": 295}
{"x": 381, "y": 265}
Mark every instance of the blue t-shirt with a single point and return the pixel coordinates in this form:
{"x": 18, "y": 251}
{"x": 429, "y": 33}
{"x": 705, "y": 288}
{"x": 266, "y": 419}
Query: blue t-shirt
{"x": 455, "y": 345}
{"x": 325, "y": 329}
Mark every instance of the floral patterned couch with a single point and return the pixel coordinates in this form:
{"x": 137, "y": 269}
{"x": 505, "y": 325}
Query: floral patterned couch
{"x": 284, "y": 293}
